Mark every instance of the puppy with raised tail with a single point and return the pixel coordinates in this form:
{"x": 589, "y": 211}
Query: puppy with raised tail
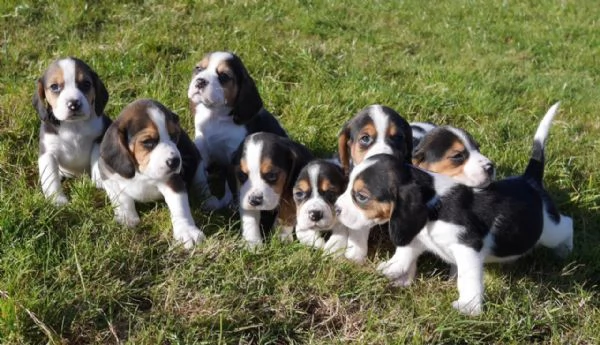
{"x": 267, "y": 170}
{"x": 70, "y": 100}
{"x": 146, "y": 156}
{"x": 462, "y": 225}
{"x": 227, "y": 107}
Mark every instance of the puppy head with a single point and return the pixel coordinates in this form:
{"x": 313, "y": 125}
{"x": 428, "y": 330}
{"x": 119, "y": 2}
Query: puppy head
{"x": 69, "y": 91}
{"x": 375, "y": 129}
{"x": 221, "y": 80}
{"x": 268, "y": 167}
{"x": 317, "y": 188}
{"x": 143, "y": 139}
{"x": 453, "y": 152}
{"x": 382, "y": 189}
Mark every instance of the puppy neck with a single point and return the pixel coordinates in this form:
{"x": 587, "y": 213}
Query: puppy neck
{"x": 202, "y": 111}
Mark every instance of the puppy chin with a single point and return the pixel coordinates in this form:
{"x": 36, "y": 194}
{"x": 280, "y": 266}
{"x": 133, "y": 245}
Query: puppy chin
{"x": 476, "y": 180}
{"x": 65, "y": 115}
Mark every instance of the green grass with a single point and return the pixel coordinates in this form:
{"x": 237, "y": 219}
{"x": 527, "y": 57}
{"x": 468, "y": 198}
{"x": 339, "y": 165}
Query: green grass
{"x": 71, "y": 275}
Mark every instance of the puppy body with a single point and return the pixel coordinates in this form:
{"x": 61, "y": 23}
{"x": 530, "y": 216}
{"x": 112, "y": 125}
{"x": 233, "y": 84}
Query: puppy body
{"x": 317, "y": 188}
{"x": 70, "y": 101}
{"x": 268, "y": 167}
{"x": 462, "y": 225}
{"x": 146, "y": 156}
{"x": 227, "y": 107}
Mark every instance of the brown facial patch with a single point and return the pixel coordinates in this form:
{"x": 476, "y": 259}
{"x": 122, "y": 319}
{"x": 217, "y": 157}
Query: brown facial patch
{"x": 267, "y": 167}
{"x": 303, "y": 186}
{"x": 244, "y": 166}
{"x": 446, "y": 165}
{"x": 137, "y": 146}
{"x": 373, "y": 209}
{"x": 358, "y": 151}
{"x": 326, "y": 185}
{"x": 229, "y": 83}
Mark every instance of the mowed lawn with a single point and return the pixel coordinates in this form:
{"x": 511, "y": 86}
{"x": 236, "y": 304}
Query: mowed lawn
{"x": 71, "y": 275}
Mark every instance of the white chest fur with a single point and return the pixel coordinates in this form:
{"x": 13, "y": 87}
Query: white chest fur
{"x": 139, "y": 188}
{"x": 216, "y": 135}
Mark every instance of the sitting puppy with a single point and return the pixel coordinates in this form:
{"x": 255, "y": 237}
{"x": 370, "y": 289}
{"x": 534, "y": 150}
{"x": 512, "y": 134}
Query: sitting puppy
{"x": 464, "y": 226}
{"x": 375, "y": 129}
{"x": 227, "y": 108}
{"x": 317, "y": 188}
{"x": 268, "y": 167}
{"x": 451, "y": 151}
{"x": 146, "y": 156}
{"x": 70, "y": 101}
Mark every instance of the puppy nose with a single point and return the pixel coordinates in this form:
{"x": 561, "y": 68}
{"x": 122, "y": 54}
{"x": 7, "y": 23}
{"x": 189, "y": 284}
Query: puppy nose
{"x": 201, "y": 83}
{"x": 338, "y": 210}
{"x": 73, "y": 104}
{"x": 489, "y": 168}
{"x": 173, "y": 163}
{"x": 315, "y": 215}
{"x": 256, "y": 200}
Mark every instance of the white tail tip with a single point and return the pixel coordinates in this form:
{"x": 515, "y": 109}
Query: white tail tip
{"x": 544, "y": 127}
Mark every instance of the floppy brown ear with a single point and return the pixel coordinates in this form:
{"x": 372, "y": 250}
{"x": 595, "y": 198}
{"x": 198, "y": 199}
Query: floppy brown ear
{"x": 248, "y": 102}
{"x": 39, "y": 101}
{"x": 300, "y": 157}
{"x": 344, "y": 147}
{"x": 409, "y": 215}
{"x": 114, "y": 151}
{"x": 101, "y": 94}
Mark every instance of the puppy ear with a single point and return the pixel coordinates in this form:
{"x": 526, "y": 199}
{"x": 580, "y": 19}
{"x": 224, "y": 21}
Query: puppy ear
{"x": 344, "y": 147}
{"x": 300, "y": 157}
{"x": 408, "y": 140}
{"x": 409, "y": 215}
{"x": 114, "y": 151}
{"x": 248, "y": 102}
{"x": 39, "y": 100}
{"x": 101, "y": 94}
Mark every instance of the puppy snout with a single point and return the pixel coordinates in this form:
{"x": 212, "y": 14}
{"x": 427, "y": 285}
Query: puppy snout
{"x": 201, "y": 83}
{"x": 173, "y": 163}
{"x": 256, "y": 200}
{"x": 489, "y": 168}
{"x": 74, "y": 105}
{"x": 315, "y": 215}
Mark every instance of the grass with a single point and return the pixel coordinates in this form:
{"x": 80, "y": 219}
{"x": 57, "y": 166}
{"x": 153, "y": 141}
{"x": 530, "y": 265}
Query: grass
{"x": 71, "y": 275}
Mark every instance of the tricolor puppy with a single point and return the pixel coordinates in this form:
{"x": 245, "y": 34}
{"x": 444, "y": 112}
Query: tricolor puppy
{"x": 70, "y": 100}
{"x": 227, "y": 107}
{"x": 375, "y": 129}
{"x": 268, "y": 168}
{"x": 462, "y": 225}
{"x": 453, "y": 152}
{"x": 317, "y": 188}
{"x": 146, "y": 156}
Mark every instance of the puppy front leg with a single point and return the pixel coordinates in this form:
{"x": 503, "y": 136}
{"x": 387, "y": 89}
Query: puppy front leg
{"x": 402, "y": 266}
{"x": 200, "y": 182}
{"x": 94, "y": 169}
{"x": 358, "y": 244}
{"x": 469, "y": 264}
{"x": 337, "y": 243}
{"x": 50, "y": 179}
{"x": 184, "y": 227}
{"x": 251, "y": 227}
{"x": 310, "y": 238}
{"x": 123, "y": 204}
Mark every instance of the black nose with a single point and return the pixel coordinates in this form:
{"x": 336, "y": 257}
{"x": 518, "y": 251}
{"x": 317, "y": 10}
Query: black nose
{"x": 256, "y": 200}
{"x": 315, "y": 215}
{"x": 201, "y": 83}
{"x": 338, "y": 210}
{"x": 173, "y": 163}
{"x": 489, "y": 168}
{"x": 73, "y": 105}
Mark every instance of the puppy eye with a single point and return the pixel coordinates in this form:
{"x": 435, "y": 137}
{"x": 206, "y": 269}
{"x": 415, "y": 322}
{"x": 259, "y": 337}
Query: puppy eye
{"x": 85, "y": 86}
{"x": 223, "y": 78}
{"x": 299, "y": 195}
{"x": 55, "y": 88}
{"x": 360, "y": 197}
{"x": 198, "y": 69}
{"x": 458, "y": 157}
{"x": 241, "y": 176}
{"x": 365, "y": 140}
{"x": 149, "y": 143}
{"x": 270, "y": 177}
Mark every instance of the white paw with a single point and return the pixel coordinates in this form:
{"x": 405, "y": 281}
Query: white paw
{"x": 129, "y": 221}
{"x": 396, "y": 272}
{"x": 310, "y": 238}
{"x": 471, "y": 308}
{"x": 188, "y": 236}
{"x": 355, "y": 255}
{"x": 96, "y": 179}
{"x": 59, "y": 200}
{"x": 254, "y": 245}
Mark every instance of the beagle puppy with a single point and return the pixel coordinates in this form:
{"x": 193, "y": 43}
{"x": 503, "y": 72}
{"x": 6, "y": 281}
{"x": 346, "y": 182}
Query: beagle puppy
{"x": 453, "y": 152}
{"x": 146, "y": 156}
{"x": 375, "y": 129}
{"x": 462, "y": 225}
{"x": 70, "y": 100}
{"x": 227, "y": 108}
{"x": 266, "y": 172}
{"x": 317, "y": 188}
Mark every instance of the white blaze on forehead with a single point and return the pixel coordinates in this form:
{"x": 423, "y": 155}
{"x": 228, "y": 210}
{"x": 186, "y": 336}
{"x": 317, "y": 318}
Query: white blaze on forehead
{"x": 358, "y": 169}
{"x": 381, "y": 123}
{"x": 469, "y": 144}
{"x": 253, "y": 159}
{"x": 313, "y": 175}
{"x": 69, "y": 72}
{"x": 216, "y": 58}
{"x": 159, "y": 119}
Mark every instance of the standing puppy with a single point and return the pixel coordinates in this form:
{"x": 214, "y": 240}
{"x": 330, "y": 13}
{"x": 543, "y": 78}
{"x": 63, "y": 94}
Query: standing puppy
{"x": 146, "y": 156}
{"x": 268, "y": 167}
{"x": 462, "y": 225}
{"x": 70, "y": 100}
{"x": 227, "y": 108}
{"x": 317, "y": 188}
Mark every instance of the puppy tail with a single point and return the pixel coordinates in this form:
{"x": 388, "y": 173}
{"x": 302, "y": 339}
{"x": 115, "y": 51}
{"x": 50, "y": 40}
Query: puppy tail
{"x": 535, "y": 168}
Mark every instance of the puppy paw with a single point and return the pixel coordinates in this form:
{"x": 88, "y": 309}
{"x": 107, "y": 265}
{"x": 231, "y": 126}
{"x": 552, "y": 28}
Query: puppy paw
{"x": 130, "y": 221}
{"x": 254, "y": 245}
{"x": 355, "y": 255}
{"x": 470, "y": 308}
{"x": 189, "y": 236}
{"x": 59, "y": 200}
{"x": 397, "y": 272}
{"x": 310, "y": 238}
